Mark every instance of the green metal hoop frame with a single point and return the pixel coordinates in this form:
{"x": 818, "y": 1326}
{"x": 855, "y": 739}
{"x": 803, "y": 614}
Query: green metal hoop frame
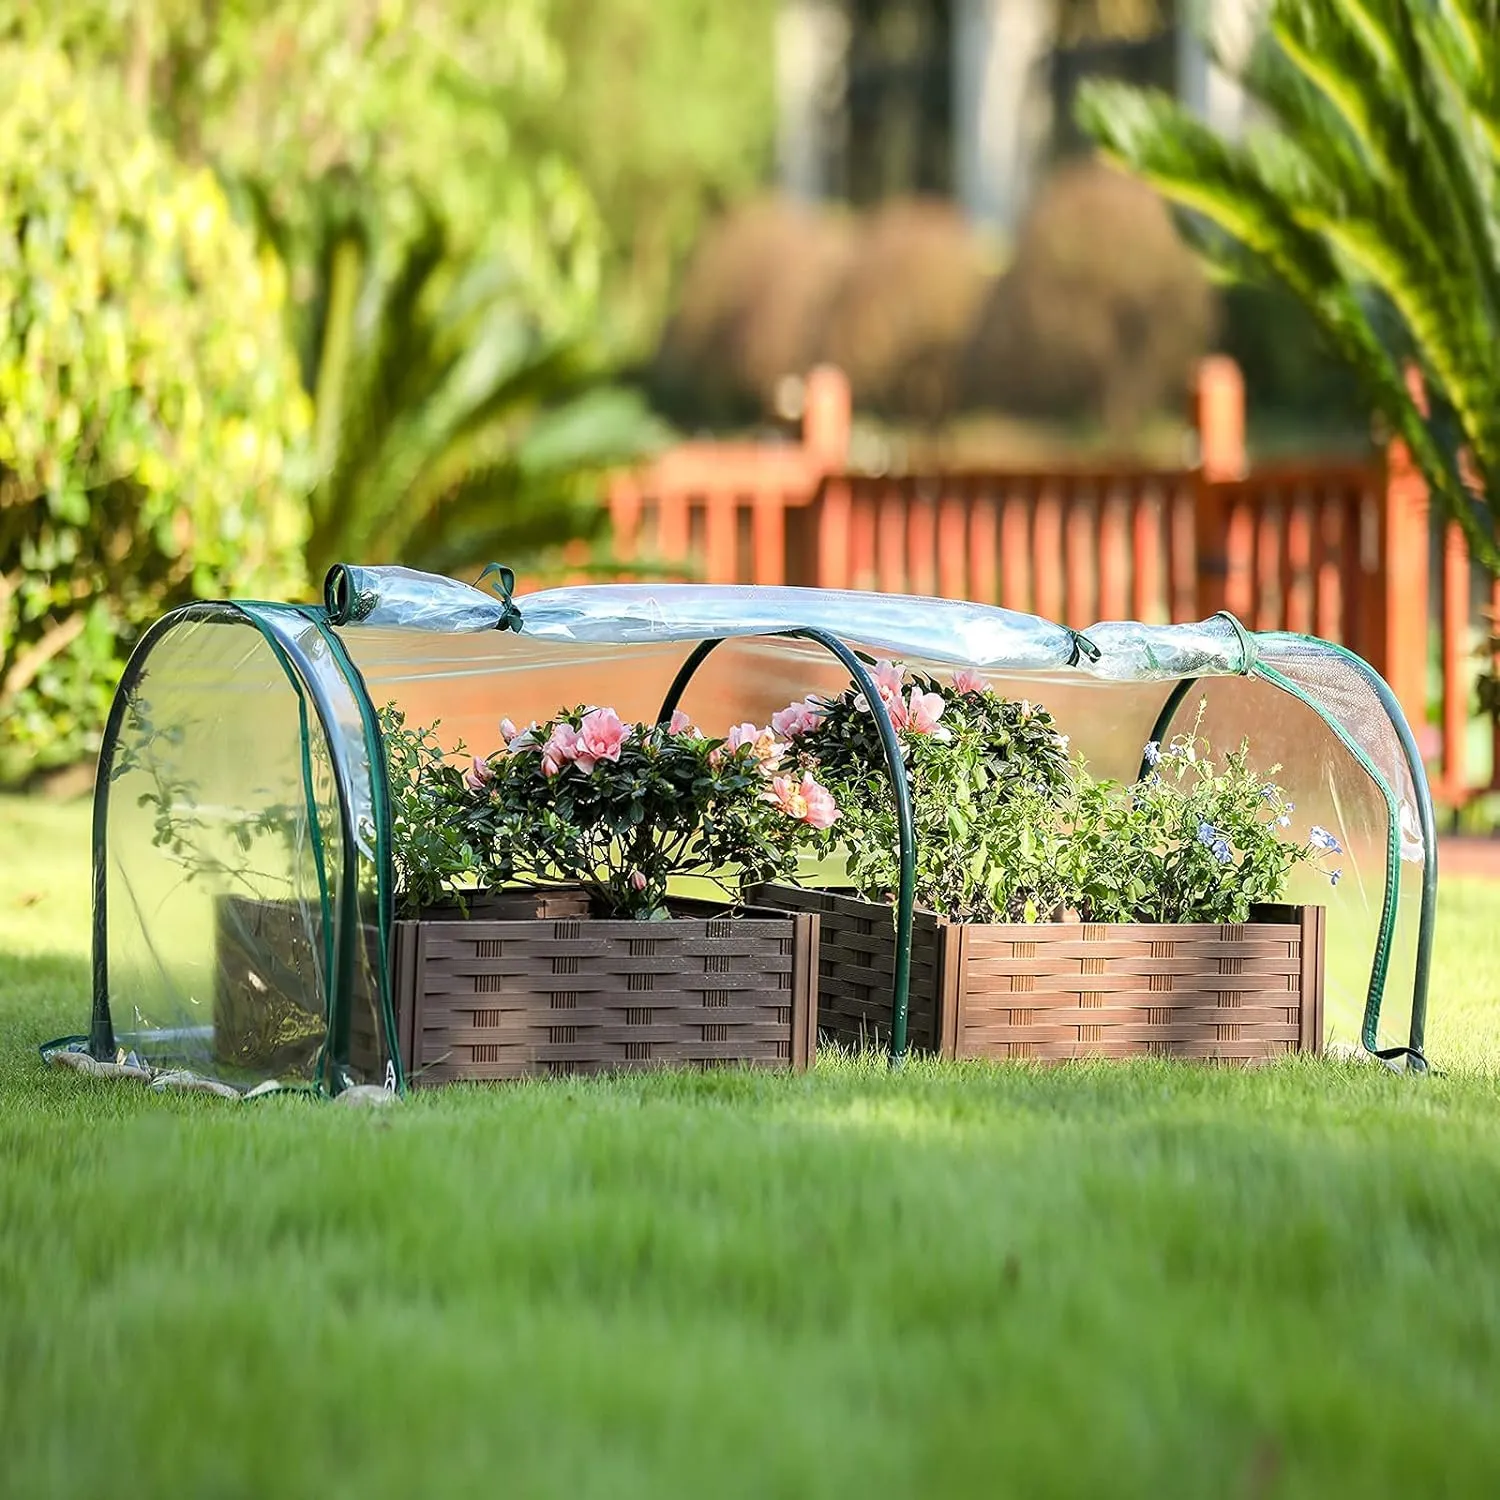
{"x": 906, "y": 890}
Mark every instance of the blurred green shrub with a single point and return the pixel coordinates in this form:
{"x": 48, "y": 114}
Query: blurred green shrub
{"x": 1292, "y": 378}
{"x": 669, "y": 113}
{"x": 775, "y": 287}
{"x": 750, "y": 310}
{"x": 150, "y": 412}
{"x": 903, "y": 314}
{"x": 1102, "y": 313}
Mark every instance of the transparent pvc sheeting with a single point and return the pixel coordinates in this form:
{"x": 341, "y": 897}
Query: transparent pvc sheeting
{"x": 248, "y": 944}
{"x": 623, "y": 645}
{"x": 949, "y": 631}
{"x": 404, "y": 597}
{"x": 227, "y": 910}
{"x": 1332, "y": 790}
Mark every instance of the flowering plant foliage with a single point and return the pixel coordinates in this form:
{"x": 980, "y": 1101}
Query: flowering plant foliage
{"x": 587, "y": 799}
{"x": 1198, "y": 840}
{"x": 1009, "y": 828}
{"x": 968, "y": 752}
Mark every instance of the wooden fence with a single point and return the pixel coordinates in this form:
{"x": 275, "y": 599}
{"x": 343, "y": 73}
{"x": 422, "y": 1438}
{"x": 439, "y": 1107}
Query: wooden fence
{"x": 1336, "y": 549}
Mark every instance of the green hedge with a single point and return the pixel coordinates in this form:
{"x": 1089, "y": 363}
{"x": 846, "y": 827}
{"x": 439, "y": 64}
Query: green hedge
{"x": 151, "y": 419}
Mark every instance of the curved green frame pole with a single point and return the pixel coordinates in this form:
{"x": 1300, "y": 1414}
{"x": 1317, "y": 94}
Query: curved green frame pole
{"x": 1427, "y": 820}
{"x": 1164, "y": 719}
{"x": 906, "y": 891}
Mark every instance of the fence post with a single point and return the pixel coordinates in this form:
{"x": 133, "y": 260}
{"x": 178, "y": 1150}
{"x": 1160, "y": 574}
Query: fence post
{"x": 827, "y": 417}
{"x": 827, "y": 421}
{"x": 1218, "y": 418}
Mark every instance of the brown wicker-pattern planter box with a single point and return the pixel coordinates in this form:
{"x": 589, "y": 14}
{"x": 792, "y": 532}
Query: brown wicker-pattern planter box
{"x": 528, "y": 984}
{"x": 486, "y": 999}
{"x": 856, "y": 965}
{"x": 1055, "y": 991}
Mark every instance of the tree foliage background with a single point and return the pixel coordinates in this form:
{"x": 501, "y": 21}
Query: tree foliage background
{"x": 1370, "y": 189}
{"x": 151, "y": 419}
{"x": 404, "y": 194}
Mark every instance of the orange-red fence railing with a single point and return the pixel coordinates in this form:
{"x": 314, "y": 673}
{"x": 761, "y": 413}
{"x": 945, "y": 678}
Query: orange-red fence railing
{"x": 1342, "y": 550}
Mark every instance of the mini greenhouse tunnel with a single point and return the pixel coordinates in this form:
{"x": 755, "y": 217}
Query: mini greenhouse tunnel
{"x": 243, "y": 875}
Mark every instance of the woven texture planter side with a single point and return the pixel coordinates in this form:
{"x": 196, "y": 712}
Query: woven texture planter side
{"x": 488, "y": 999}
{"x": 856, "y": 966}
{"x": 1055, "y": 991}
{"x": 1234, "y": 992}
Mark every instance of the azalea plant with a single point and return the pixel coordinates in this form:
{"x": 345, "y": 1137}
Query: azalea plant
{"x": 587, "y": 799}
{"x": 1010, "y": 827}
{"x": 969, "y": 754}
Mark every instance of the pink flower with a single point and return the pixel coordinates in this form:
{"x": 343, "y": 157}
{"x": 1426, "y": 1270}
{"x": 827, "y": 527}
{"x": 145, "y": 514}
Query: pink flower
{"x": 765, "y": 747}
{"x": 681, "y": 724}
{"x": 805, "y": 801}
{"x": 508, "y": 731}
{"x": 887, "y": 677}
{"x": 479, "y": 775}
{"x": 923, "y": 710}
{"x": 822, "y": 810}
{"x": 797, "y": 718}
{"x": 637, "y": 880}
{"x": 561, "y": 747}
{"x": 599, "y": 737}
{"x": 888, "y": 681}
{"x": 969, "y": 681}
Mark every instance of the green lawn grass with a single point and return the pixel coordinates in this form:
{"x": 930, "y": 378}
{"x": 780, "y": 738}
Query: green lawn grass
{"x": 1148, "y": 1281}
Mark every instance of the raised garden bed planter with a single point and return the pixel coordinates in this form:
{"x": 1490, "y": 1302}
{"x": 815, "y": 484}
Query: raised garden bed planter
{"x": 1053, "y": 991}
{"x": 528, "y": 984}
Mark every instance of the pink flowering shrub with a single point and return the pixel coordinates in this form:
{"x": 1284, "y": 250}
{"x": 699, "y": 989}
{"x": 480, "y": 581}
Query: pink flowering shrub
{"x": 968, "y": 752}
{"x": 586, "y": 799}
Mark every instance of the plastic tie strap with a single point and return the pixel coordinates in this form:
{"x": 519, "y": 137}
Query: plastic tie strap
{"x": 502, "y": 583}
{"x": 1083, "y": 649}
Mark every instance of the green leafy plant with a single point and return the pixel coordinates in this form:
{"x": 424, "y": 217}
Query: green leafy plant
{"x": 432, "y": 850}
{"x": 1009, "y": 828}
{"x": 1198, "y": 840}
{"x": 443, "y": 259}
{"x": 1370, "y": 193}
{"x": 588, "y": 800}
{"x": 969, "y": 755}
{"x": 150, "y": 413}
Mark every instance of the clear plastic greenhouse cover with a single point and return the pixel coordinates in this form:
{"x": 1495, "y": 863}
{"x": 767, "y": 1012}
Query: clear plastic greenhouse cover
{"x": 242, "y": 863}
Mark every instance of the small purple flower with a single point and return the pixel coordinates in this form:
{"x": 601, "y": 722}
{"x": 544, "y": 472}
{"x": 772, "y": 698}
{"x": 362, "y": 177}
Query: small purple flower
{"x": 1334, "y": 876}
{"x": 1215, "y": 843}
{"x": 1268, "y": 793}
{"x": 1153, "y": 753}
{"x": 1320, "y": 838}
{"x": 1284, "y": 821}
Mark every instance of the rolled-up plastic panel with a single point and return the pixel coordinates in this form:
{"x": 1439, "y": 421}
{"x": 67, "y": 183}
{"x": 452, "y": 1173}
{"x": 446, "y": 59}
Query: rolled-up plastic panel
{"x": 410, "y": 599}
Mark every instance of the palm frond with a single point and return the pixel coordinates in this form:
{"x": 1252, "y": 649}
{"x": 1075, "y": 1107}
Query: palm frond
{"x": 1268, "y": 201}
{"x": 462, "y": 420}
